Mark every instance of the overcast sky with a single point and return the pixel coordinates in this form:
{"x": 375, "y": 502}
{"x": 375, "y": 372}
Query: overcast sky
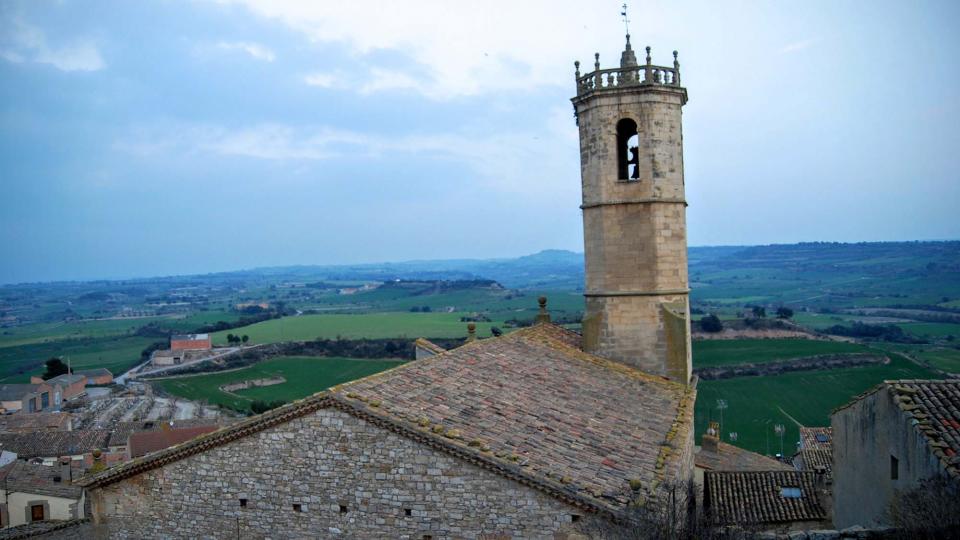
{"x": 156, "y": 138}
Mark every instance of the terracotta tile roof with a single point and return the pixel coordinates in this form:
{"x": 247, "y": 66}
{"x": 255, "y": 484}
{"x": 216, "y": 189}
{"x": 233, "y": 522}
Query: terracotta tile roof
{"x": 556, "y": 418}
{"x": 816, "y": 450}
{"x": 95, "y": 372}
{"x": 120, "y": 434}
{"x": 38, "y": 528}
{"x": 732, "y": 458}
{"x": 934, "y": 406}
{"x": 54, "y": 443}
{"x": 756, "y": 497}
{"x": 40, "y": 479}
{"x": 533, "y": 397}
{"x": 145, "y": 442}
{"x": 24, "y": 422}
{"x": 816, "y": 438}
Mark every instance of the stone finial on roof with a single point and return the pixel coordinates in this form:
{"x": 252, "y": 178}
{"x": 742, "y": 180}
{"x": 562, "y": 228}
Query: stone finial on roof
{"x": 544, "y": 315}
{"x": 471, "y": 332}
{"x": 627, "y": 57}
{"x": 596, "y": 61}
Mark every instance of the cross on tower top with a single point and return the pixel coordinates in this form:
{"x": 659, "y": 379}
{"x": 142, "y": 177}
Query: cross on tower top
{"x": 626, "y": 21}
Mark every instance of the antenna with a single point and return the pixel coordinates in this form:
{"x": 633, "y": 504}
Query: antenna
{"x": 721, "y": 405}
{"x": 626, "y": 21}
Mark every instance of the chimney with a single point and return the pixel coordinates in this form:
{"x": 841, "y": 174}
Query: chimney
{"x": 471, "y": 332}
{"x": 544, "y": 315}
{"x": 66, "y": 471}
{"x": 711, "y": 439}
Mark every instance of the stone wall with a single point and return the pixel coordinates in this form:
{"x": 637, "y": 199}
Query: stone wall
{"x": 327, "y": 475}
{"x": 866, "y": 435}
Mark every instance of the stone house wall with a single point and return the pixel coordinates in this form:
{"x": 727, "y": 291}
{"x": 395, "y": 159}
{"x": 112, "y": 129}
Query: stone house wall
{"x": 325, "y": 475}
{"x": 866, "y": 435}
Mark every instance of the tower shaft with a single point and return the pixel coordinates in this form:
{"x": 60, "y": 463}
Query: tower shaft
{"x": 634, "y": 216}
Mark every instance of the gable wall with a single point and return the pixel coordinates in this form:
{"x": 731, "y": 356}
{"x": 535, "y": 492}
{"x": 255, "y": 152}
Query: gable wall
{"x": 865, "y": 435}
{"x": 321, "y": 461}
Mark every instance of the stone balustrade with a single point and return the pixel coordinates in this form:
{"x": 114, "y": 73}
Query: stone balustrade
{"x": 607, "y": 79}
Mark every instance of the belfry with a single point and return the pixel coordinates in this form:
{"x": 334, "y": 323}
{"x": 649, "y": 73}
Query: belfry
{"x": 634, "y": 214}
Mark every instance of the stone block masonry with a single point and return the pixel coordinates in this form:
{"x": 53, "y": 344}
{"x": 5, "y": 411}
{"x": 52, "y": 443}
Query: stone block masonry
{"x": 326, "y": 475}
{"x": 634, "y": 216}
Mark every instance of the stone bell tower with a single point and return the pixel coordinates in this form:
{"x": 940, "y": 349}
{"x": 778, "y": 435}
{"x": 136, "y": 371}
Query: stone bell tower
{"x": 634, "y": 214}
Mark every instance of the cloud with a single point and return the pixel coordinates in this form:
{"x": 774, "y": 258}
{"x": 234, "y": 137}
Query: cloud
{"x": 324, "y": 80}
{"x": 502, "y": 160}
{"x": 23, "y": 42}
{"x": 255, "y": 50}
{"x": 446, "y": 52}
{"x": 798, "y": 46}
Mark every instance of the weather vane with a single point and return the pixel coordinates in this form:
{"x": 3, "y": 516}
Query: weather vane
{"x": 626, "y": 21}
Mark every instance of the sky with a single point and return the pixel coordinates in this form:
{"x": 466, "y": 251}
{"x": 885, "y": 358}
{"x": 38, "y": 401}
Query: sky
{"x": 176, "y": 137}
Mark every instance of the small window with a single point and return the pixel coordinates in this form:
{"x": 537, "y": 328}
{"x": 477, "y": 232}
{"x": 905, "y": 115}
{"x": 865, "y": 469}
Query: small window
{"x": 427, "y": 537}
{"x": 343, "y": 509}
{"x": 297, "y": 507}
{"x": 574, "y": 518}
{"x": 894, "y": 468}
{"x": 36, "y": 512}
{"x": 407, "y": 512}
{"x": 791, "y": 492}
{"x": 243, "y": 503}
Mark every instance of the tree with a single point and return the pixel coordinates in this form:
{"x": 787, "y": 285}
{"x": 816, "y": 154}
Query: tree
{"x": 55, "y": 367}
{"x": 759, "y": 312}
{"x": 783, "y": 312}
{"x": 230, "y": 338}
{"x": 711, "y": 323}
{"x": 496, "y": 331}
{"x": 259, "y": 406}
{"x": 245, "y": 338}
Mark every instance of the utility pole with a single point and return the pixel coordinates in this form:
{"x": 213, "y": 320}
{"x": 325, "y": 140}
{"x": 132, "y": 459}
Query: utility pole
{"x": 721, "y": 404}
{"x": 778, "y": 428}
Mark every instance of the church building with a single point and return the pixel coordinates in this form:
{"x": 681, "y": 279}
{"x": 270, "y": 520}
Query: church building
{"x": 531, "y": 434}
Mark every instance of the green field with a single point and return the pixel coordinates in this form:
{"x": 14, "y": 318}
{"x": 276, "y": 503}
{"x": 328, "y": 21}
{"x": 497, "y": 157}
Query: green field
{"x": 945, "y": 359}
{"x": 709, "y": 353}
{"x": 116, "y": 354}
{"x": 304, "y": 375}
{"x": 370, "y": 325}
{"x": 931, "y": 330}
{"x": 755, "y": 403}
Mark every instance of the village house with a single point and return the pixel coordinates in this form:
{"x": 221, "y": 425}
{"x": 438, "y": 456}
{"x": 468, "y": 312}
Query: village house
{"x": 815, "y": 450}
{"x": 775, "y": 501}
{"x": 716, "y": 455}
{"x": 22, "y": 397}
{"x": 49, "y": 446}
{"x": 120, "y": 433}
{"x": 533, "y": 433}
{"x": 190, "y": 342}
{"x": 889, "y": 439}
{"x": 97, "y": 376}
{"x": 32, "y": 493}
{"x": 142, "y": 443}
